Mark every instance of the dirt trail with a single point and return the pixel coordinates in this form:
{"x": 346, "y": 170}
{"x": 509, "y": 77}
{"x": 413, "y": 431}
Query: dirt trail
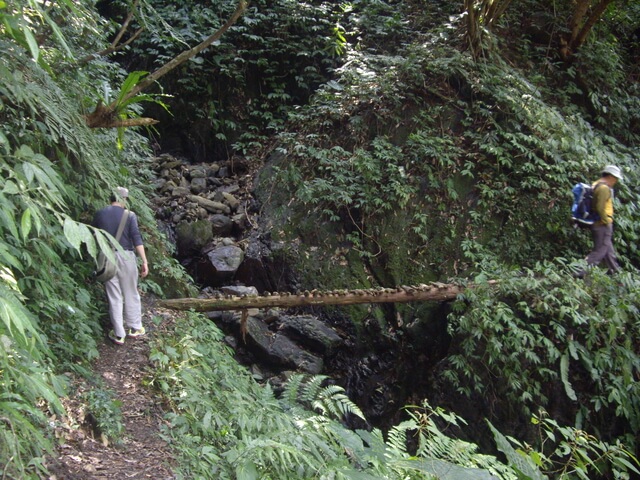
{"x": 142, "y": 453}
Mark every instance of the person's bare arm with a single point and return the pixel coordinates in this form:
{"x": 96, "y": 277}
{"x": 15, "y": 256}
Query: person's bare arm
{"x": 144, "y": 271}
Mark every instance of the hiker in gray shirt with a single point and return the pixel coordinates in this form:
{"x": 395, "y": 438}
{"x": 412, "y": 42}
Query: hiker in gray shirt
{"x": 125, "y": 308}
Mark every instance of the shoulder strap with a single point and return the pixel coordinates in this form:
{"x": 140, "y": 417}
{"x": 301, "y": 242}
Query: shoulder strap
{"x": 599, "y": 184}
{"x": 123, "y": 221}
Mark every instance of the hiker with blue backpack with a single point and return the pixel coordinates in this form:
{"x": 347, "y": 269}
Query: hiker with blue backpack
{"x": 594, "y": 208}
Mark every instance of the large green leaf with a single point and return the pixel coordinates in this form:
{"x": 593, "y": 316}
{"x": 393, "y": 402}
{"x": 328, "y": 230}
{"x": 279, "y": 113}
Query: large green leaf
{"x": 525, "y": 467}
{"x": 443, "y": 470}
{"x": 564, "y": 375}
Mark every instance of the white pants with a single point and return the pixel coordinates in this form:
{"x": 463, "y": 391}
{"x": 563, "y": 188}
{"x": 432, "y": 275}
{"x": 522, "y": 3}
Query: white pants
{"x": 122, "y": 292}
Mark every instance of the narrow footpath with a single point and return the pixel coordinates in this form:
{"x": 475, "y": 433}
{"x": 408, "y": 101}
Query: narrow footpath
{"x": 142, "y": 453}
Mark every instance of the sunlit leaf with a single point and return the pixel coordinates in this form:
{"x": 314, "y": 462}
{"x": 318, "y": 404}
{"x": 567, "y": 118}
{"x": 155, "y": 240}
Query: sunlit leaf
{"x": 31, "y": 42}
{"x": 72, "y": 233}
{"x": 25, "y": 223}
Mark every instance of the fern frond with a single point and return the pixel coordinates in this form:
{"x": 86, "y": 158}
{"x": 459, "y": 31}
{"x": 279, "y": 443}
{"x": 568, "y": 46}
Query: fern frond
{"x": 311, "y": 388}
{"x": 330, "y": 400}
{"x": 292, "y": 388}
{"x": 334, "y": 401}
{"x": 397, "y": 438}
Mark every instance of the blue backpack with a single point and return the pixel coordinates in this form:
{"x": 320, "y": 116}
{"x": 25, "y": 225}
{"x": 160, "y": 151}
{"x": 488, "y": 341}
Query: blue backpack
{"x": 581, "y": 210}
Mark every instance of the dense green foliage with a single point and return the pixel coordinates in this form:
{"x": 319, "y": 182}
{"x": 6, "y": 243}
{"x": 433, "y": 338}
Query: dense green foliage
{"x": 226, "y": 426}
{"x": 473, "y": 161}
{"x": 425, "y": 161}
{"x": 55, "y": 173}
{"x": 237, "y": 94}
{"x": 517, "y": 155}
{"x": 553, "y": 338}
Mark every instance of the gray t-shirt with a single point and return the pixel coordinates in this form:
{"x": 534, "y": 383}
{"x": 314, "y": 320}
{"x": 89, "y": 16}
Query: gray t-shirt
{"x": 109, "y": 219}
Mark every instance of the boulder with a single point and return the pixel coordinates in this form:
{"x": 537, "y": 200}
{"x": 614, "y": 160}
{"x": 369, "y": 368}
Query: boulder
{"x": 170, "y": 163}
{"x": 311, "y": 333}
{"x": 180, "y": 191}
{"x": 230, "y": 200}
{"x": 199, "y": 185}
{"x": 239, "y": 290}
{"x": 278, "y": 350}
{"x": 224, "y": 262}
{"x": 167, "y": 187}
{"x": 212, "y": 170}
{"x": 198, "y": 171}
{"x": 191, "y": 237}
{"x": 210, "y": 205}
{"x": 263, "y": 268}
{"x": 221, "y": 225}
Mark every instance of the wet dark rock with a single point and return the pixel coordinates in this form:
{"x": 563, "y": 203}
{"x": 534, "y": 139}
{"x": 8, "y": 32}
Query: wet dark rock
{"x": 280, "y": 341}
{"x": 221, "y": 225}
{"x": 240, "y": 222}
{"x": 278, "y": 350}
{"x": 262, "y": 268}
{"x": 372, "y": 382}
{"x": 311, "y": 333}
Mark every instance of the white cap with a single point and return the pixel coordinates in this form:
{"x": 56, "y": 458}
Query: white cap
{"x": 613, "y": 170}
{"x": 122, "y": 192}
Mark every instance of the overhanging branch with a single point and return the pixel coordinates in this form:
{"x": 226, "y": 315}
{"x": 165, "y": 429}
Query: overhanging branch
{"x": 106, "y": 116}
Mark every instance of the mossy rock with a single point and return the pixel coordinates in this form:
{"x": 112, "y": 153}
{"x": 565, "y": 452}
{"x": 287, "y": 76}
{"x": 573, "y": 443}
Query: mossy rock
{"x": 192, "y": 237}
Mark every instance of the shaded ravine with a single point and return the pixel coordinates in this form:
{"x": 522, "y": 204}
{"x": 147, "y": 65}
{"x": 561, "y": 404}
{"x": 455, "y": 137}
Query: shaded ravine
{"x": 222, "y": 238}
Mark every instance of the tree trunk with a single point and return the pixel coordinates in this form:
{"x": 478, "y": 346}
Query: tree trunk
{"x": 581, "y": 24}
{"x": 482, "y": 16}
{"x": 436, "y": 292}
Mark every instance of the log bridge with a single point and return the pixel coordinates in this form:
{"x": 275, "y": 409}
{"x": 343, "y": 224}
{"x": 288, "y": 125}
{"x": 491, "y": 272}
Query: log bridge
{"x": 404, "y": 294}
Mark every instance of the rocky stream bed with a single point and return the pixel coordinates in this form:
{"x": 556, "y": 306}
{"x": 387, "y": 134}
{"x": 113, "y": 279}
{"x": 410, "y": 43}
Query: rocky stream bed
{"x": 209, "y": 212}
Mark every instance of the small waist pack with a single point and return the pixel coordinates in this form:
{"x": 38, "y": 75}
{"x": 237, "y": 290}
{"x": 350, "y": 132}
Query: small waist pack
{"x": 106, "y": 268}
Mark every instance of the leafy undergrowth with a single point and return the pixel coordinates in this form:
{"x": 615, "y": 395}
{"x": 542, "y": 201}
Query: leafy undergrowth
{"x": 176, "y": 405}
{"x": 113, "y": 420}
{"x": 223, "y": 424}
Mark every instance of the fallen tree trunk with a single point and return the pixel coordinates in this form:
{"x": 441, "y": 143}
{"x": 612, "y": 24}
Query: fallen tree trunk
{"x": 435, "y": 292}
